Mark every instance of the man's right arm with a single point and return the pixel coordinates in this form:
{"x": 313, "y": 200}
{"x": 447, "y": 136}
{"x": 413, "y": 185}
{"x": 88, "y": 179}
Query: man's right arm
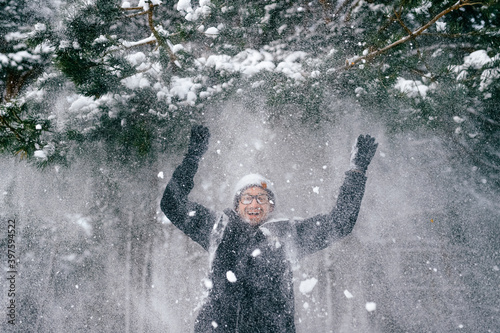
{"x": 193, "y": 219}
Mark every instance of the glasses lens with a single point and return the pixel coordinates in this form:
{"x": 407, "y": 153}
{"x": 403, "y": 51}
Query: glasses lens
{"x": 246, "y": 199}
{"x": 262, "y": 199}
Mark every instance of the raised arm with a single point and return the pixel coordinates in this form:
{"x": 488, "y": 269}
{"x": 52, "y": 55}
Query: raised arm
{"x": 318, "y": 232}
{"x": 193, "y": 219}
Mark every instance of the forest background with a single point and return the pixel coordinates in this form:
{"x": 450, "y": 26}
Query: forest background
{"x": 97, "y": 101}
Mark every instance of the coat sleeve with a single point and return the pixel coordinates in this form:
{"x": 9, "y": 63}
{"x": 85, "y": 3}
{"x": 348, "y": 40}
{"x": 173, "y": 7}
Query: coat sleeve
{"x": 193, "y": 219}
{"x": 318, "y": 232}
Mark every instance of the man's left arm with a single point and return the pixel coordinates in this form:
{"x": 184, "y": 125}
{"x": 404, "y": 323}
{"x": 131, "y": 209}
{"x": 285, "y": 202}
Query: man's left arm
{"x": 318, "y": 232}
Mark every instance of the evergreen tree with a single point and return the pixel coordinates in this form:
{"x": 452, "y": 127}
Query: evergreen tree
{"x": 22, "y": 59}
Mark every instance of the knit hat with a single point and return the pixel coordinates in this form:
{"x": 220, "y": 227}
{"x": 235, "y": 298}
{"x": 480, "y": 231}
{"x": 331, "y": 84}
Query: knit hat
{"x": 250, "y": 181}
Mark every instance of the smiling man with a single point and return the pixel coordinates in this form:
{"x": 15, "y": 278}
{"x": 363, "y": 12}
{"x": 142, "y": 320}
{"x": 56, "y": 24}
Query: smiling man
{"x": 250, "y": 283}
{"x": 253, "y": 200}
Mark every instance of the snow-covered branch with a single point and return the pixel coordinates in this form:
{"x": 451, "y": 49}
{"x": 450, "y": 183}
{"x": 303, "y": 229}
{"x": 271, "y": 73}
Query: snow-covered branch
{"x": 159, "y": 38}
{"x": 412, "y": 35}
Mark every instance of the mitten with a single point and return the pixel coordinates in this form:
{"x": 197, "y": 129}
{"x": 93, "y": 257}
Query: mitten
{"x": 198, "y": 143}
{"x": 362, "y": 152}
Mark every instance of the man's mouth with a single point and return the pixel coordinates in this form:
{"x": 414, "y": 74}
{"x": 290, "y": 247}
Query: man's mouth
{"x": 254, "y": 213}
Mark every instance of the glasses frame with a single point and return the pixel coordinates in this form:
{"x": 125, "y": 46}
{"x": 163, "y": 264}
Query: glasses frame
{"x": 256, "y": 197}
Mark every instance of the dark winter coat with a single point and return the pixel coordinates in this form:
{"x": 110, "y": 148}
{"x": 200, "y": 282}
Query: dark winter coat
{"x": 251, "y": 275}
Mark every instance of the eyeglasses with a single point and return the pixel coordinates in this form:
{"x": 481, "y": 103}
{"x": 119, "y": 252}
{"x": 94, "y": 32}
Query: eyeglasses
{"x": 247, "y": 199}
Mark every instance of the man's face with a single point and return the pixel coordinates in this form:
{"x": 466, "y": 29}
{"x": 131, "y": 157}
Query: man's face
{"x": 254, "y": 212}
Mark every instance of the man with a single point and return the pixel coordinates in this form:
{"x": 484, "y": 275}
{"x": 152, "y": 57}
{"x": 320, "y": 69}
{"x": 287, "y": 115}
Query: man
{"x": 250, "y": 282}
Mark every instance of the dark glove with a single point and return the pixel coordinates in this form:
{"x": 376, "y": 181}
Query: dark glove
{"x": 362, "y": 152}
{"x": 198, "y": 143}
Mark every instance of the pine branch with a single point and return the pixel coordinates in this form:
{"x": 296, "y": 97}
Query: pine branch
{"x": 143, "y": 12}
{"x": 327, "y": 7}
{"x": 146, "y": 42}
{"x": 412, "y": 35}
{"x": 342, "y": 7}
{"x": 348, "y": 14}
{"x": 137, "y": 8}
{"x": 159, "y": 38}
{"x": 476, "y": 156}
{"x": 483, "y": 118}
{"x": 12, "y": 129}
{"x": 445, "y": 35}
{"x": 136, "y": 14}
{"x": 16, "y": 116}
{"x": 397, "y": 14}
